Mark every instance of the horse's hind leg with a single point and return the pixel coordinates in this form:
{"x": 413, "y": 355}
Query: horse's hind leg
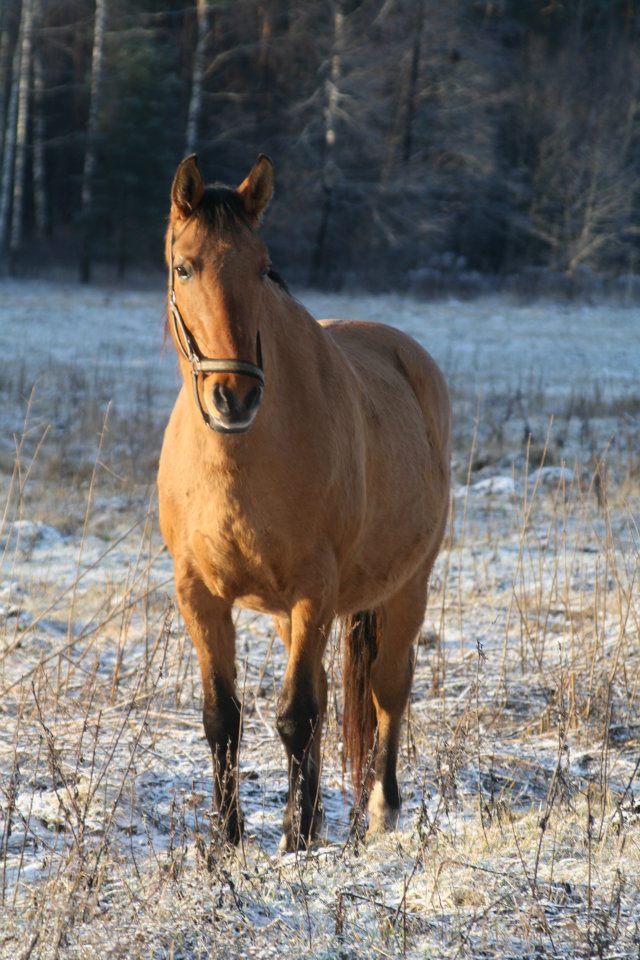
{"x": 300, "y": 715}
{"x": 398, "y": 621}
{"x": 208, "y": 619}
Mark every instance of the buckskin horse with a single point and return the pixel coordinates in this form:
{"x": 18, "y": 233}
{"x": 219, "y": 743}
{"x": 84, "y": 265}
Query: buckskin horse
{"x": 305, "y": 474}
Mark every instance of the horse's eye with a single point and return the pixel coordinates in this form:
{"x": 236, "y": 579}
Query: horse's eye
{"x": 183, "y": 272}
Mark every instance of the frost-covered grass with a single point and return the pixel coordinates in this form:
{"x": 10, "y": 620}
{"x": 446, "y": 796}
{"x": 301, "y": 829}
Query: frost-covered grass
{"x": 520, "y": 831}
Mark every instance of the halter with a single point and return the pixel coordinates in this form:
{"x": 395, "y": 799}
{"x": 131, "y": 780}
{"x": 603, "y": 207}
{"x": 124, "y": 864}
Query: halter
{"x": 201, "y": 364}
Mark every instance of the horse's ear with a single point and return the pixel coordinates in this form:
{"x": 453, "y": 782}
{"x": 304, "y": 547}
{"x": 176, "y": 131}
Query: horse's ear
{"x": 187, "y": 188}
{"x": 256, "y": 189}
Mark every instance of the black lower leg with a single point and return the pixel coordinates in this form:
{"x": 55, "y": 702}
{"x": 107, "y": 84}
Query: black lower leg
{"x": 298, "y": 724}
{"x": 385, "y": 770}
{"x": 223, "y": 727}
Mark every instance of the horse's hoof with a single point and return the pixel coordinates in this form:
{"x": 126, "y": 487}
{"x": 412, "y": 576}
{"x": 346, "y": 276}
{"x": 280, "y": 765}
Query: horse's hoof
{"x": 382, "y": 817}
{"x": 301, "y": 836}
{"x": 293, "y": 842}
{"x": 285, "y": 845}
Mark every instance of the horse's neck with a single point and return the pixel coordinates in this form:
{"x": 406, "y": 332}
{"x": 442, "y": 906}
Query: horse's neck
{"x": 293, "y": 344}
{"x": 293, "y": 339}
{"x": 294, "y": 349}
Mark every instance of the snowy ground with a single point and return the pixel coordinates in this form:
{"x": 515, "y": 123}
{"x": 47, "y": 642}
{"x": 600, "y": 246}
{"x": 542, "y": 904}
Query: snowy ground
{"x": 520, "y": 833}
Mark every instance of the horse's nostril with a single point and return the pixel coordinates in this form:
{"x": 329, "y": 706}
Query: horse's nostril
{"x": 224, "y": 398}
{"x": 252, "y": 399}
{"x": 230, "y": 406}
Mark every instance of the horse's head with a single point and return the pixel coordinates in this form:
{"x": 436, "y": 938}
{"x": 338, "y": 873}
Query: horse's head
{"x": 218, "y": 266}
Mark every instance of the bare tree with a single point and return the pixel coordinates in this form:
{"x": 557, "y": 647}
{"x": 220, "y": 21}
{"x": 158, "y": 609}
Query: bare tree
{"x": 584, "y": 185}
{"x": 95, "y": 104}
{"x": 330, "y": 114}
{"x": 8, "y": 154}
{"x": 197, "y": 75}
{"x": 403, "y": 53}
{"x": 24, "y": 91}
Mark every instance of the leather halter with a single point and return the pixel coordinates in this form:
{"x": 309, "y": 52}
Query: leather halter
{"x": 201, "y": 364}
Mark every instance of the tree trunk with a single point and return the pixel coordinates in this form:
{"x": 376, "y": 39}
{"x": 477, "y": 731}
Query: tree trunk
{"x": 8, "y": 156}
{"x": 414, "y": 72}
{"x": 24, "y": 89}
{"x": 88, "y": 171}
{"x": 195, "y": 101}
{"x": 122, "y": 231}
{"x": 332, "y": 97}
{"x": 39, "y": 127}
{"x": 4, "y": 69}
{"x": 263, "y": 54}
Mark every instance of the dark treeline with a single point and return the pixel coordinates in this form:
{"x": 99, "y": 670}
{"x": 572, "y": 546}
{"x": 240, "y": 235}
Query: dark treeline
{"x": 411, "y": 138}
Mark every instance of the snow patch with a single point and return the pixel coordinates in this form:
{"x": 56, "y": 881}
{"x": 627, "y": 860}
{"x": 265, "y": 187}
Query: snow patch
{"x": 489, "y": 486}
{"x": 24, "y": 535}
{"x": 552, "y": 476}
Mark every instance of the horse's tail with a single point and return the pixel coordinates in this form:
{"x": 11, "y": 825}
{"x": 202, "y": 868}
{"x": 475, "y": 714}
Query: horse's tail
{"x": 359, "y": 716}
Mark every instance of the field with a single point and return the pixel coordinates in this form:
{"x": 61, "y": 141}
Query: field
{"x": 520, "y": 764}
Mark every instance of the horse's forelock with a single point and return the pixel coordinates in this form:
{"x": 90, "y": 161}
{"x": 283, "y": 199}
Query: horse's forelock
{"x": 221, "y": 210}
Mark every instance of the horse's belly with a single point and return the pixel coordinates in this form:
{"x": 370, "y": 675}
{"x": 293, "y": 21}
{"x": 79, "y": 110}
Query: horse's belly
{"x": 406, "y": 511}
{"x": 261, "y": 603}
{"x": 370, "y": 578}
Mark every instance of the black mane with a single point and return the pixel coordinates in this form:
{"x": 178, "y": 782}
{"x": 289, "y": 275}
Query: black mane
{"x": 221, "y": 209}
{"x": 277, "y": 279}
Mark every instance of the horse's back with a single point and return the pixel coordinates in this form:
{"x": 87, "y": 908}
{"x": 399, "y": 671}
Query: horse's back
{"x": 391, "y": 358}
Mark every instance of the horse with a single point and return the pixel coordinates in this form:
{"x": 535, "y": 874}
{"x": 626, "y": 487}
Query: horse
{"x": 304, "y": 474}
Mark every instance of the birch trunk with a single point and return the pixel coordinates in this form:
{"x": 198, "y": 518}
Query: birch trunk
{"x": 8, "y": 154}
{"x": 88, "y": 171}
{"x": 332, "y": 98}
{"x": 195, "y": 101}
{"x": 24, "y": 90}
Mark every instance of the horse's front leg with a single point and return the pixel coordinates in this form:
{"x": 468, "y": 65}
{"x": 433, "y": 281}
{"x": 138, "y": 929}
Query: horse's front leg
{"x": 208, "y": 619}
{"x": 300, "y": 715}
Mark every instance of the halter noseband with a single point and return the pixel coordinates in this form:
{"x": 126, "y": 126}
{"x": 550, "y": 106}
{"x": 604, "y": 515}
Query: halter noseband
{"x": 200, "y": 364}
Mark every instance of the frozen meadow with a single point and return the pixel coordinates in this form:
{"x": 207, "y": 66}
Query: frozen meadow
{"x": 520, "y": 829}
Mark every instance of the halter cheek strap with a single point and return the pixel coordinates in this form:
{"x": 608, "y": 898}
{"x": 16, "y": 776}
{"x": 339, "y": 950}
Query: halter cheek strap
{"x": 201, "y": 364}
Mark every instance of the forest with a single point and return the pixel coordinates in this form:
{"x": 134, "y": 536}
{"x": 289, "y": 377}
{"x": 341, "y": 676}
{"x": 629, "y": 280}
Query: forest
{"x": 414, "y": 141}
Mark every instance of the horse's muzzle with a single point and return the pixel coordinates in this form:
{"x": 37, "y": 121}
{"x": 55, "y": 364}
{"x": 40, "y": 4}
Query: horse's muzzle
{"x": 232, "y": 413}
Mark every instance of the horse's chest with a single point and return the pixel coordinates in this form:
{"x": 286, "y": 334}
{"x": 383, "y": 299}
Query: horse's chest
{"x": 240, "y": 560}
